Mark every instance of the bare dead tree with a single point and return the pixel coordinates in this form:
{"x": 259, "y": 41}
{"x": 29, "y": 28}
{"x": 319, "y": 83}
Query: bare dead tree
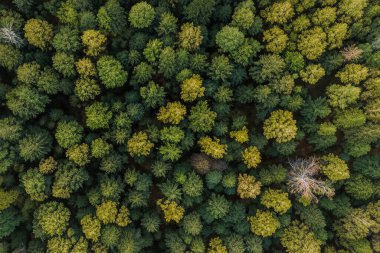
{"x": 352, "y": 53}
{"x": 303, "y": 179}
{"x": 10, "y": 36}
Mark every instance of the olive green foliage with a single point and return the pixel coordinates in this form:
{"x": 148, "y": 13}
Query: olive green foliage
{"x": 189, "y": 126}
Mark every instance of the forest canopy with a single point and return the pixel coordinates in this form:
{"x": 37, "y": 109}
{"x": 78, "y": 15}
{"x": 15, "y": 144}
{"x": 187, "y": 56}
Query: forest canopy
{"x": 190, "y": 126}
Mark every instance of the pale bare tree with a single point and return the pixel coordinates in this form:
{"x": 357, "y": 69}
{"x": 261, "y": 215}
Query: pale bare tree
{"x": 304, "y": 181}
{"x": 10, "y": 36}
{"x": 352, "y": 53}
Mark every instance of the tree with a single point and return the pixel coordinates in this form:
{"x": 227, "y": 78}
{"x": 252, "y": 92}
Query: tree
{"x": 276, "y": 39}
{"x": 111, "y": 17}
{"x": 280, "y": 126}
{"x": 139, "y": 144}
{"x": 168, "y": 24}
{"x": 192, "y": 224}
{"x": 91, "y": 227}
{"x": 35, "y": 145}
{"x": 50, "y": 219}
{"x": 251, "y": 157}
{"x": 220, "y": 68}
{"x": 359, "y": 187}
{"x": 64, "y": 64}
{"x": 349, "y": 118}
{"x": 35, "y": 185}
{"x": 244, "y": 16}
{"x": 67, "y": 40}
{"x": 312, "y": 73}
{"x": 312, "y": 43}
{"x": 351, "y": 10}
{"x": 229, "y": 38}
{"x": 68, "y": 133}
{"x": 336, "y": 34}
{"x": 192, "y": 88}
{"x": 9, "y": 220}
{"x": 29, "y": 73}
{"x": 79, "y": 154}
{"x": 216, "y": 246}
{"x": 200, "y": 11}
{"x": 172, "y": 211}
{"x": 264, "y": 223}
{"x": 334, "y": 167}
{"x": 298, "y": 238}
{"x": 212, "y": 147}
{"x": 142, "y": 73}
{"x": 190, "y": 37}
{"x": 98, "y": 116}
{"x": 141, "y": 15}
{"x": 153, "y": 50}
{"x": 86, "y": 89}
{"x": 94, "y": 42}
{"x": 111, "y": 72}
{"x": 324, "y": 16}
{"x": 304, "y": 182}
{"x": 217, "y": 206}
{"x": 106, "y": 212}
{"x": 153, "y": 94}
{"x": 49, "y": 81}
{"x": 279, "y": 12}
{"x": 248, "y": 187}
{"x": 68, "y": 179}
{"x": 276, "y": 199}
{"x": 340, "y": 96}
{"x": 201, "y": 118}
{"x": 240, "y": 136}
{"x": 39, "y": 33}
{"x": 26, "y": 102}
{"x": 100, "y": 148}
{"x": 173, "y": 113}
{"x": 353, "y": 74}
{"x": 10, "y": 57}
{"x": 85, "y": 67}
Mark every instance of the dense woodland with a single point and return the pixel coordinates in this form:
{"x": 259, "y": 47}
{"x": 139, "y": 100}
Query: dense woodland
{"x": 190, "y": 126}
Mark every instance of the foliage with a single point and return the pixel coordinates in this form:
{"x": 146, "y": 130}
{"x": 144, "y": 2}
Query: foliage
{"x": 280, "y": 126}
{"x": 189, "y": 126}
{"x": 264, "y": 223}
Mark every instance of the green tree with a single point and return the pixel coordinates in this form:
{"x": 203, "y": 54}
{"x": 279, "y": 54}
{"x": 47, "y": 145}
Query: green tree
{"x": 276, "y": 39}
{"x": 153, "y": 94}
{"x": 35, "y": 145}
{"x": 10, "y": 57}
{"x": 68, "y": 179}
{"x": 190, "y": 37}
{"x": 94, "y": 42}
{"x": 312, "y": 43}
{"x": 280, "y": 126}
{"x": 86, "y": 89}
{"x": 340, "y": 96}
{"x": 141, "y": 15}
{"x": 251, "y": 157}
{"x": 9, "y": 220}
{"x": 111, "y": 72}
{"x": 67, "y": 40}
{"x": 29, "y": 73}
{"x": 248, "y": 187}
{"x": 201, "y": 117}
{"x": 173, "y": 113}
{"x": 39, "y": 33}
{"x": 100, "y": 148}
{"x": 264, "y": 223}
{"x": 79, "y": 154}
{"x": 98, "y": 116}
{"x": 111, "y": 17}
{"x": 312, "y": 73}
{"x": 192, "y": 88}
{"x": 199, "y": 11}
{"x": 212, "y": 147}
{"x": 35, "y": 185}
{"x": 139, "y": 144}
{"x": 26, "y": 102}
{"x": 298, "y": 238}
{"x": 220, "y": 68}
{"x": 353, "y": 74}
{"x": 68, "y": 133}
{"x": 279, "y": 12}
{"x": 50, "y": 219}
{"x": 64, "y": 64}
{"x": 276, "y": 199}
{"x": 334, "y": 167}
{"x": 229, "y": 38}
